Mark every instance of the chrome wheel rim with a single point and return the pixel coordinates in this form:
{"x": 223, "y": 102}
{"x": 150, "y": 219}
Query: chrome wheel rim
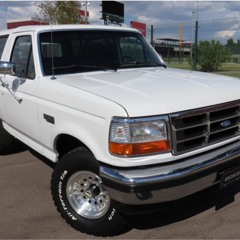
{"x": 87, "y": 195}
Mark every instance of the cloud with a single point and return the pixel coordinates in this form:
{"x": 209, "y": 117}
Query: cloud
{"x": 225, "y": 34}
{"x": 235, "y": 27}
{"x": 10, "y": 10}
{"x": 94, "y": 12}
{"x": 27, "y": 11}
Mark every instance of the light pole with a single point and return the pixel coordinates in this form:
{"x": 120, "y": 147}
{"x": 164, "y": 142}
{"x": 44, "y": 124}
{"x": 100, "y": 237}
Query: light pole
{"x": 194, "y": 65}
{"x": 196, "y": 47}
{"x": 86, "y": 4}
{"x": 193, "y": 14}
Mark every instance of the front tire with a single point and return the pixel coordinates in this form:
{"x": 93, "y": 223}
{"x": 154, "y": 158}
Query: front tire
{"x": 80, "y": 196}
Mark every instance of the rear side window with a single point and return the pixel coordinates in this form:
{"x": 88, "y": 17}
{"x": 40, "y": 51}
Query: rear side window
{"x": 3, "y": 40}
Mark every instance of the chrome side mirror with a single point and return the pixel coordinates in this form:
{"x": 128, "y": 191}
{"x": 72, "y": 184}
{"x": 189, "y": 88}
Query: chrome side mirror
{"x": 7, "y": 68}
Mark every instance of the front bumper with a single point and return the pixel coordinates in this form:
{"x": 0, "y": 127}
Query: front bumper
{"x": 157, "y": 184}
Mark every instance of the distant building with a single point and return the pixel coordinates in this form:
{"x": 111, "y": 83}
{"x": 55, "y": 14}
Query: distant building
{"x": 235, "y": 51}
{"x": 170, "y": 48}
{"x": 25, "y": 22}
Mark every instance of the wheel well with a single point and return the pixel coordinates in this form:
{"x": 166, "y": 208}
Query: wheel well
{"x": 65, "y": 143}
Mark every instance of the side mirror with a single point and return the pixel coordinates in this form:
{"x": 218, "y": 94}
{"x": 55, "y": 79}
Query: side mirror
{"x": 7, "y": 68}
{"x": 16, "y": 83}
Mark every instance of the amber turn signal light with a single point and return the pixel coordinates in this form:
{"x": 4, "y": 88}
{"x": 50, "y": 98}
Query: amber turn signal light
{"x": 133, "y": 149}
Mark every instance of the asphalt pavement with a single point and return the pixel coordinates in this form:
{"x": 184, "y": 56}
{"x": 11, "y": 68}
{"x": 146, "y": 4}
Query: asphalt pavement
{"x": 27, "y": 210}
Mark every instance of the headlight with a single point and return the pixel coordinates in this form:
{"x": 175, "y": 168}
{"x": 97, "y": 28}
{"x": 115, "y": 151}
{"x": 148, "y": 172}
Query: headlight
{"x": 131, "y": 137}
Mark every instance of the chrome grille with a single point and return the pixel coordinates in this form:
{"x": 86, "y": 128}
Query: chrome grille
{"x": 199, "y": 128}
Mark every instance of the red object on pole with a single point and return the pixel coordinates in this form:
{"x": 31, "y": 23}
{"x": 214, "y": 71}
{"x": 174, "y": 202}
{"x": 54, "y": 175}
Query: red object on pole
{"x": 142, "y": 27}
{"x": 82, "y": 13}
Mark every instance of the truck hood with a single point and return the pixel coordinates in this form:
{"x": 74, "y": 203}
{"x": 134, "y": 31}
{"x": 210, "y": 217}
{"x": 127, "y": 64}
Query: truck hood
{"x": 157, "y": 91}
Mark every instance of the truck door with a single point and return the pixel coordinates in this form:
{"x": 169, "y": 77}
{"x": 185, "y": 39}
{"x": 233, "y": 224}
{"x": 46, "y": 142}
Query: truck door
{"x": 22, "y": 116}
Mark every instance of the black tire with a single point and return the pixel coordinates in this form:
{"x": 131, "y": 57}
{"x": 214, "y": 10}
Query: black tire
{"x": 6, "y": 139}
{"x": 80, "y": 197}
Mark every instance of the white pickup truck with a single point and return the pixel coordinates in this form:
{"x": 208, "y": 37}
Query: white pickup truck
{"x": 123, "y": 129}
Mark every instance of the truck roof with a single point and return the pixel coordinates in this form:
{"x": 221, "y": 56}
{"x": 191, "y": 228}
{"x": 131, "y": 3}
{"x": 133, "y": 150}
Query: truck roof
{"x": 38, "y": 28}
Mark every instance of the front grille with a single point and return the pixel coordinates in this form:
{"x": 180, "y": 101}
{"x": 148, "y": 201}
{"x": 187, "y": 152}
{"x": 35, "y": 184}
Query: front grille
{"x": 199, "y": 128}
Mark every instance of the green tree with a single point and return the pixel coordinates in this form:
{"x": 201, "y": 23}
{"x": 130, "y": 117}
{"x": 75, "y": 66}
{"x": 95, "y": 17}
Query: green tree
{"x": 211, "y": 55}
{"x": 230, "y": 42}
{"x": 61, "y": 12}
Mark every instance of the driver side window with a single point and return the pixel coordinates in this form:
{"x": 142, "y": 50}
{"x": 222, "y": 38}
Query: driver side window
{"x": 23, "y": 58}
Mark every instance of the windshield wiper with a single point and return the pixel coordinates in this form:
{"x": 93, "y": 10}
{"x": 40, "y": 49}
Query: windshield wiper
{"x": 78, "y": 66}
{"x": 83, "y": 66}
{"x": 141, "y": 64}
{"x": 134, "y": 63}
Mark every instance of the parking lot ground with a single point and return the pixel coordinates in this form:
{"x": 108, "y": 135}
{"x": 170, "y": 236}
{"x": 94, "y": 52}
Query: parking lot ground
{"x": 27, "y": 210}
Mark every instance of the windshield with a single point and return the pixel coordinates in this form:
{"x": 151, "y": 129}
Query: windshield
{"x": 65, "y": 52}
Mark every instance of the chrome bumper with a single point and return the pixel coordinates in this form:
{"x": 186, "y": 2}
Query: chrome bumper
{"x": 169, "y": 182}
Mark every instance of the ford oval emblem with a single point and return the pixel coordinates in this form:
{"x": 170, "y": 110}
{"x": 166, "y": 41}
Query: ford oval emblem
{"x": 225, "y": 124}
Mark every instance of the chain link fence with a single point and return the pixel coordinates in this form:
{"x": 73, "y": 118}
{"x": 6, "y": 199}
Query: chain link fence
{"x": 174, "y": 42}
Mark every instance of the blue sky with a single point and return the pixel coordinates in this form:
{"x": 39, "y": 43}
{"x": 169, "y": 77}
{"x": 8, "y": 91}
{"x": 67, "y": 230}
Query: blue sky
{"x": 219, "y": 20}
